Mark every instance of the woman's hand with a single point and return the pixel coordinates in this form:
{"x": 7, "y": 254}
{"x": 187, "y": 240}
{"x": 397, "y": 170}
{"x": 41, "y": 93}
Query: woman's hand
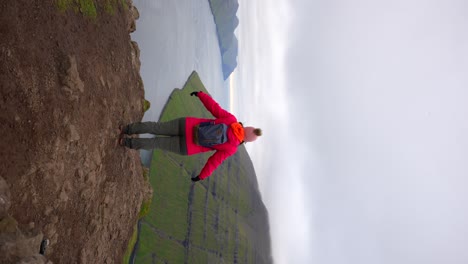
{"x": 196, "y": 179}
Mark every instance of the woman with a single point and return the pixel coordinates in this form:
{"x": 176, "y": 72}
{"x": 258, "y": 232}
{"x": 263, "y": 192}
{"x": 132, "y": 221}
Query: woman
{"x": 192, "y": 135}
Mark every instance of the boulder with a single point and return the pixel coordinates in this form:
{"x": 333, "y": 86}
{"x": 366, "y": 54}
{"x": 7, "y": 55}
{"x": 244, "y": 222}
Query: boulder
{"x": 17, "y": 244}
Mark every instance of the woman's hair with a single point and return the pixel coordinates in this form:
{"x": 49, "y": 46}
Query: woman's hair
{"x": 258, "y": 131}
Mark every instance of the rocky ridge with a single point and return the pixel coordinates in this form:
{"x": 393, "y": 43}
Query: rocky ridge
{"x": 67, "y": 82}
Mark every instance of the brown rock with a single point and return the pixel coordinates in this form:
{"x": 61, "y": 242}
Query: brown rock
{"x": 5, "y": 198}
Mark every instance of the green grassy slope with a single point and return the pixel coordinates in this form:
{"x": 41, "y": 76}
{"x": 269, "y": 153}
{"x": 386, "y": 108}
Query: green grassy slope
{"x": 219, "y": 220}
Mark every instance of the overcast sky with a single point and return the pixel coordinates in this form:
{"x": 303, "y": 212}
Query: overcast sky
{"x": 363, "y": 104}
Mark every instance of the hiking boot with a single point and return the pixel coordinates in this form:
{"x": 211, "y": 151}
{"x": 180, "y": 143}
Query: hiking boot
{"x": 122, "y": 141}
{"x": 123, "y": 130}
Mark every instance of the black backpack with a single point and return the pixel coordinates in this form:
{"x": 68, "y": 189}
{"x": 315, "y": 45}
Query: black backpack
{"x": 210, "y": 134}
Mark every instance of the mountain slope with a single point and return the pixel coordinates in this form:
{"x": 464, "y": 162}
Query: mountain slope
{"x": 219, "y": 220}
{"x": 225, "y": 17}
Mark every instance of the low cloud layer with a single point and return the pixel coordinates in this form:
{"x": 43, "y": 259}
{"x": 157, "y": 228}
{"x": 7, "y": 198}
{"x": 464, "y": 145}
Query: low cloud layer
{"x": 363, "y": 107}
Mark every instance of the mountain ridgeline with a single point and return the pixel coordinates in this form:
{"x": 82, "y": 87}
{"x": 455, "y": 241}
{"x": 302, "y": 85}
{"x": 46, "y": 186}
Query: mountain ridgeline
{"x": 224, "y": 13}
{"x": 221, "y": 219}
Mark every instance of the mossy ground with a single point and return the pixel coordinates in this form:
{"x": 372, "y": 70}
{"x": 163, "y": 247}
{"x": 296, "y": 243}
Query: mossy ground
{"x": 89, "y": 8}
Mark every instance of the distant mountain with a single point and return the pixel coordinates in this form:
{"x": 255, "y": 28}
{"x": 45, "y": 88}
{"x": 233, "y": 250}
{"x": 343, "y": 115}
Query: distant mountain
{"x": 224, "y": 13}
{"x": 221, "y": 219}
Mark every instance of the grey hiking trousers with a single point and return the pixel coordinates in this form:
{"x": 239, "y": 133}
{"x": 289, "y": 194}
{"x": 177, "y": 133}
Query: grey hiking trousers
{"x": 170, "y": 136}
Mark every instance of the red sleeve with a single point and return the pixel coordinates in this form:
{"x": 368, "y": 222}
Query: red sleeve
{"x": 213, "y": 162}
{"x": 212, "y": 106}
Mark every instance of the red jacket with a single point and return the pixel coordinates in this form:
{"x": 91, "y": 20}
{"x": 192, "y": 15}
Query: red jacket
{"x": 223, "y": 151}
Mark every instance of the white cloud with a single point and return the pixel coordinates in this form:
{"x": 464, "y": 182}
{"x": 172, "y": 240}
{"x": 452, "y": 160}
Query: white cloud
{"x": 364, "y": 108}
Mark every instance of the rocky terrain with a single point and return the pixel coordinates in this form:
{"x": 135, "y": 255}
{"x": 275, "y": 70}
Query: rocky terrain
{"x": 67, "y": 81}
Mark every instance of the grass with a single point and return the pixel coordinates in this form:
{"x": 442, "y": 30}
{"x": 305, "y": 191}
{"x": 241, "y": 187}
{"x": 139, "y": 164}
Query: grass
{"x": 89, "y": 8}
{"x": 86, "y": 7}
{"x": 145, "y": 205}
{"x": 144, "y": 209}
{"x": 131, "y": 245}
{"x": 216, "y": 225}
{"x": 146, "y": 105}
